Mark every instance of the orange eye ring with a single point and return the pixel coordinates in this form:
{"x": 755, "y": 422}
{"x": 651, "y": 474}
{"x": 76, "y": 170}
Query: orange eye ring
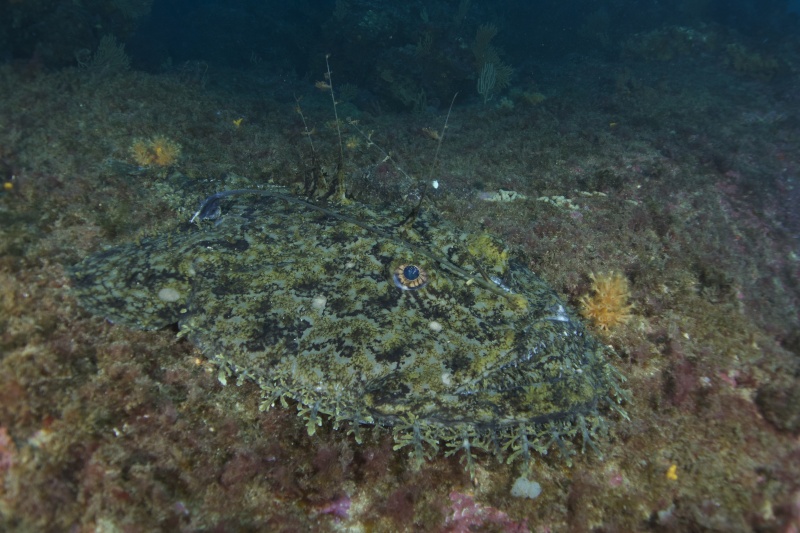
{"x": 409, "y": 277}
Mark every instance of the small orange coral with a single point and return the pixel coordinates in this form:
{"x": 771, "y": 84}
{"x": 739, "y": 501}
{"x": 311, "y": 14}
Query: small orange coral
{"x": 158, "y": 151}
{"x": 607, "y": 305}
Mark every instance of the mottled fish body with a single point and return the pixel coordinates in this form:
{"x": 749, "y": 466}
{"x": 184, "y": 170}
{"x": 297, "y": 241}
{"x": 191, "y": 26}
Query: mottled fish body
{"x": 439, "y": 334}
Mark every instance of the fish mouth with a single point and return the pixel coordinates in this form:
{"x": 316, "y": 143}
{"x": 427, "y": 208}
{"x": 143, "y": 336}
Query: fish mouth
{"x": 529, "y": 390}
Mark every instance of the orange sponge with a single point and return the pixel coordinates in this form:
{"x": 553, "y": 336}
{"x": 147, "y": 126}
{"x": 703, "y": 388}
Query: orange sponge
{"x": 158, "y": 151}
{"x": 607, "y": 305}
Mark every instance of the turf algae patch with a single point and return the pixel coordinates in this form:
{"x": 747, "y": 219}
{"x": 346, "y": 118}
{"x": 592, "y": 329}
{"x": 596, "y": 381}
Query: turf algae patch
{"x": 324, "y": 306}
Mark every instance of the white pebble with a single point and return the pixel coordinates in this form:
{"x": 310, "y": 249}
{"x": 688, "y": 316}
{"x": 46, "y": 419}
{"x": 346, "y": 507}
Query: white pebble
{"x": 168, "y": 294}
{"x": 319, "y": 303}
{"x": 524, "y": 488}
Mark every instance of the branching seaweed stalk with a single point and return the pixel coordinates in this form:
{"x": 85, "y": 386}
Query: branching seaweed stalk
{"x": 441, "y": 139}
{"x": 340, "y": 170}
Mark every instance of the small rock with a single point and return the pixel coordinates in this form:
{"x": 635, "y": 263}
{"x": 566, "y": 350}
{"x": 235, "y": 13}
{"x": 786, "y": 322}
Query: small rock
{"x": 525, "y": 488}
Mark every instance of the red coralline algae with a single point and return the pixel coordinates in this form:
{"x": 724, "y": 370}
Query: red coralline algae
{"x": 7, "y": 450}
{"x": 682, "y": 382}
{"x": 466, "y": 514}
{"x": 339, "y": 508}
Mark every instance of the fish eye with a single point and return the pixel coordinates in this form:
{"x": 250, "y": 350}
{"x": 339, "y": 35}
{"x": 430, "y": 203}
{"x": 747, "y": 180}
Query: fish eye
{"x": 410, "y": 277}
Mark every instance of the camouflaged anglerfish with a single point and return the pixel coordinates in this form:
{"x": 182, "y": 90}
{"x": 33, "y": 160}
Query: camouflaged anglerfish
{"x": 369, "y": 317}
